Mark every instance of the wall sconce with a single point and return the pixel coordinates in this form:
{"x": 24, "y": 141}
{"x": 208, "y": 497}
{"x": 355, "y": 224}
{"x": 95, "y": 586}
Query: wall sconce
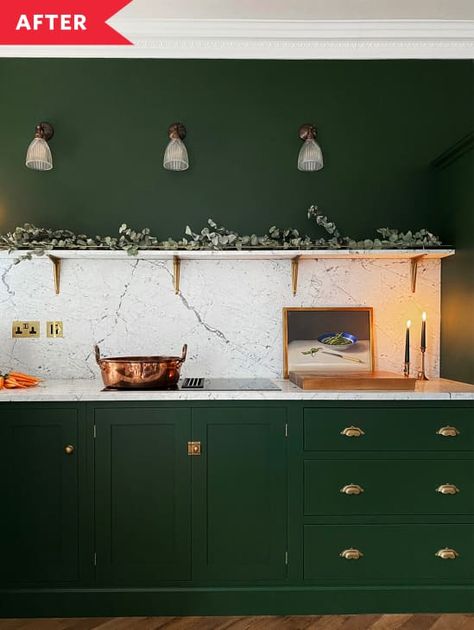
{"x": 38, "y": 155}
{"x": 176, "y": 155}
{"x": 310, "y": 157}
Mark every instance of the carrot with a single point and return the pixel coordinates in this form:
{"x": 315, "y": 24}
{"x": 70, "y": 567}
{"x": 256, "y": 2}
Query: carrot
{"x": 25, "y": 382}
{"x": 13, "y": 380}
{"x": 24, "y": 377}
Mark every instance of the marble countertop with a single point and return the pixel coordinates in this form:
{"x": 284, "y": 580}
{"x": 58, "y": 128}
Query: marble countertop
{"x": 85, "y": 390}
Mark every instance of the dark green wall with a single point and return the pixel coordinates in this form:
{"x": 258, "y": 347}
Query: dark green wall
{"x": 380, "y": 124}
{"x": 455, "y": 189}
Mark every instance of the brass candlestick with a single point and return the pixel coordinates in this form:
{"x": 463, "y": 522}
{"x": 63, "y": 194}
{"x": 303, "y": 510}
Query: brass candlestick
{"x": 421, "y": 374}
{"x": 406, "y": 369}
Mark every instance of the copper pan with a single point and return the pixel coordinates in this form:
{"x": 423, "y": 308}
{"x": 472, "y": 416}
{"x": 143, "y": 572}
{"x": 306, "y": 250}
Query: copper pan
{"x": 140, "y": 372}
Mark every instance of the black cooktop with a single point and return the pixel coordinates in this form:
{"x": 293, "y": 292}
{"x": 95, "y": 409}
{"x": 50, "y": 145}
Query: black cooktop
{"x": 211, "y": 385}
{"x": 228, "y": 384}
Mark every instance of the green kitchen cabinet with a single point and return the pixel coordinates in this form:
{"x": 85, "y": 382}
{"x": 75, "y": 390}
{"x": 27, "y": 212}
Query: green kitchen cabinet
{"x": 240, "y": 493}
{"x": 389, "y": 486}
{"x": 39, "y": 454}
{"x": 235, "y": 507}
{"x": 142, "y": 494}
{"x": 378, "y": 428}
{"x": 148, "y": 478}
{"x": 389, "y": 554}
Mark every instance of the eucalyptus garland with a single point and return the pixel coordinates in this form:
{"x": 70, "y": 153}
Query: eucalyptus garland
{"x": 38, "y": 240}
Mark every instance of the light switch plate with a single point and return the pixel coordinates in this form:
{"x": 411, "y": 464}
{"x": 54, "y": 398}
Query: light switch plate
{"x": 54, "y": 329}
{"x": 25, "y": 330}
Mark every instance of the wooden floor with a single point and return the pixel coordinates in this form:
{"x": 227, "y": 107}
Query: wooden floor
{"x": 333, "y": 622}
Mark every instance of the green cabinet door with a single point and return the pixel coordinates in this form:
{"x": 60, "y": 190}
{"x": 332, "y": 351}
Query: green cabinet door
{"x": 239, "y": 494}
{"x": 143, "y": 494}
{"x": 39, "y": 493}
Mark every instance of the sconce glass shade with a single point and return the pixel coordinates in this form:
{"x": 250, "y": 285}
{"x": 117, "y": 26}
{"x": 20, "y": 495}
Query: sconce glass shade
{"x": 176, "y": 156}
{"x": 38, "y": 155}
{"x": 310, "y": 157}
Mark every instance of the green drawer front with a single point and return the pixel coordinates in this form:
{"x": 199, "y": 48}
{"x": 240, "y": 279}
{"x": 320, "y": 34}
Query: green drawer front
{"x": 389, "y": 487}
{"x": 391, "y": 553}
{"x": 388, "y": 429}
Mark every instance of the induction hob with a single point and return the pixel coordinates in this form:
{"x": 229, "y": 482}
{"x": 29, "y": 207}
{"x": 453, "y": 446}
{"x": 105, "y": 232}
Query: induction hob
{"x": 228, "y": 384}
{"x": 210, "y": 385}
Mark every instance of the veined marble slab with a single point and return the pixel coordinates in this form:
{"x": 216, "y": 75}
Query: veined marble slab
{"x": 229, "y": 312}
{"x": 87, "y": 390}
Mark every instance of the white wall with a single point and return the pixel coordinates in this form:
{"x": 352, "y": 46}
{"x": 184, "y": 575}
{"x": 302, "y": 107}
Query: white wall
{"x": 302, "y": 9}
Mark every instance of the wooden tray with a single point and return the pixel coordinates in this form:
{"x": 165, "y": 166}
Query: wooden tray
{"x": 352, "y": 381}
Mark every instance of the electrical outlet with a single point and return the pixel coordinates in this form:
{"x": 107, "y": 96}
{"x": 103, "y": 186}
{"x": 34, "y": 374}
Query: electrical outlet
{"x": 25, "y": 330}
{"x": 54, "y": 329}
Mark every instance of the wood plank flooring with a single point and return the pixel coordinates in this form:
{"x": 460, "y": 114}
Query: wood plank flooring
{"x": 330, "y": 622}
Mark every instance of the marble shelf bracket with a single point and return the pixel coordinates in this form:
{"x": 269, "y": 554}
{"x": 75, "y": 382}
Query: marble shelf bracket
{"x": 295, "y": 263}
{"x": 56, "y": 262}
{"x": 414, "y": 270}
{"x": 176, "y": 273}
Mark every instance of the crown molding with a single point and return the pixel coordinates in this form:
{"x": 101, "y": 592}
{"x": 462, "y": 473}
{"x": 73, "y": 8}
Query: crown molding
{"x": 276, "y": 39}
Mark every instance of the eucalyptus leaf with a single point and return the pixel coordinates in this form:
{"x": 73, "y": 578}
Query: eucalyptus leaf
{"x": 37, "y": 240}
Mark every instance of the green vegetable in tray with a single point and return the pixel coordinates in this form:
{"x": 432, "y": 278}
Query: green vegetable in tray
{"x": 337, "y": 340}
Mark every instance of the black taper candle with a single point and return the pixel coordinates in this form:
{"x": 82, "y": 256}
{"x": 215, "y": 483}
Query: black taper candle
{"x": 407, "y": 343}
{"x": 423, "y": 331}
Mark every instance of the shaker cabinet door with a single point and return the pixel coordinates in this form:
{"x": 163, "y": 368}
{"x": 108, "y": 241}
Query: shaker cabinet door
{"x": 143, "y": 495}
{"x": 39, "y": 490}
{"x": 239, "y": 494}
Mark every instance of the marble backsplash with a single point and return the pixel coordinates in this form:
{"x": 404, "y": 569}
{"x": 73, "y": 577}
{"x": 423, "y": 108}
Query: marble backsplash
{"x": 228, "y": 312}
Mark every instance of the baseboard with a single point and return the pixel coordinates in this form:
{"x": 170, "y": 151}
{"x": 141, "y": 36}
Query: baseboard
{"x": 235, "y": 601}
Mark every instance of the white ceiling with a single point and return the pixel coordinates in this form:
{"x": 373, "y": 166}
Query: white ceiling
{"x": 301, "y": 9}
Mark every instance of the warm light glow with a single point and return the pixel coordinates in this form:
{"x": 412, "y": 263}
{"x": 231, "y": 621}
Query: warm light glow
{"x": 408, "y": 323}
{"x": 423, "y": 316}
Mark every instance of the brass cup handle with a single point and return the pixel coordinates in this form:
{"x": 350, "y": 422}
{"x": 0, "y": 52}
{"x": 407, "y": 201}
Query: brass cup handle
{"x": 69, "y": 449}
{"x": 352, "y": 431}
{"x": 351, "y": 554}
{"x": 448, "y": 431}
{"x": 447, "y": 488}
{"x": 447, "y": 554}
{"x": 352, "y": 488}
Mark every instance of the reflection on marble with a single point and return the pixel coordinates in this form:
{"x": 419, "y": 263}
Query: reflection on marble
{"x": 229, "y": 312}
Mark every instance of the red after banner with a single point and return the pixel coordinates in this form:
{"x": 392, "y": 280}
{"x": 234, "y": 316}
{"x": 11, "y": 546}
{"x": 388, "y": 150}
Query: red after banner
{"x": 56, "y": 22}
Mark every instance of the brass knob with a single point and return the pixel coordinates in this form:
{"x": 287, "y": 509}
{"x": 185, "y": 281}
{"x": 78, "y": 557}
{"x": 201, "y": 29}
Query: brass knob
{"x": 194, "y": 448}
{"x": 352, "y": 432}
{"x": 448, "y": 431}
{"x": 69, "y": 449}
{"x": 351, "y": 554}
{"x": 447, "y": 554}
{"x": 352, "y": 488}
{"x": 447, "y": 488}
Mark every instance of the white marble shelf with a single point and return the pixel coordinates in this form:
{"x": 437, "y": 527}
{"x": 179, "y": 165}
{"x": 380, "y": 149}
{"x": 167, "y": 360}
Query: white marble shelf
{"x": 247, "y": 254}
{"x": 89, "y": 390}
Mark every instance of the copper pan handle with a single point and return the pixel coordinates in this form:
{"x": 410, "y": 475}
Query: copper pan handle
{"x": 97, "y": 354}
{"x": 184, "y": 353}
